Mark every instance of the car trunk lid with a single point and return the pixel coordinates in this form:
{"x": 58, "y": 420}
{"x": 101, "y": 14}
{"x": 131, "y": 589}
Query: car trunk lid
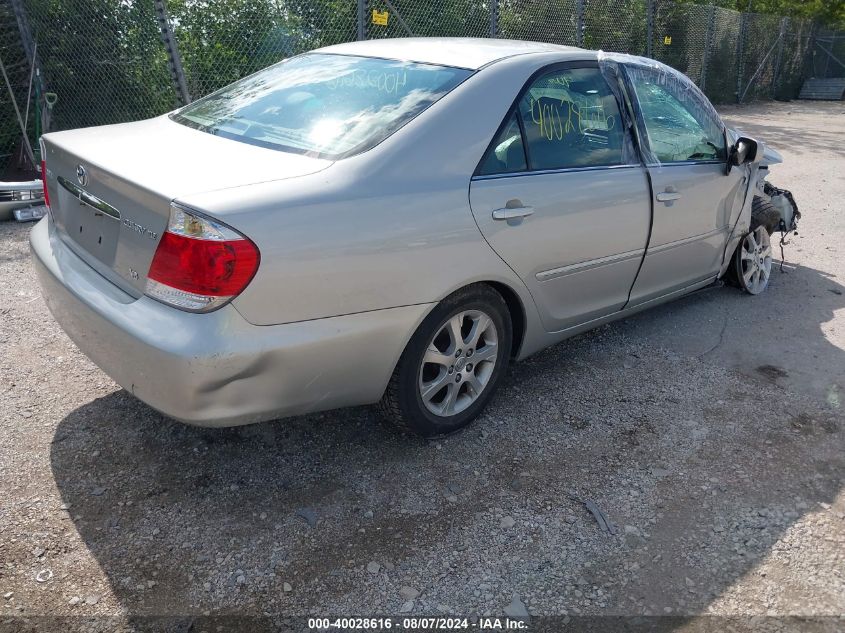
{"x": 111, "y": 187}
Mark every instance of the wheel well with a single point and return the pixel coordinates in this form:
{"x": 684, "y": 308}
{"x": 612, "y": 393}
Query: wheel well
{"x": 517, "y": 312}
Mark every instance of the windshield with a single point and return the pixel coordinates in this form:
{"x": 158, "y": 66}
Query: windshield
{"x": 327, "y": 106}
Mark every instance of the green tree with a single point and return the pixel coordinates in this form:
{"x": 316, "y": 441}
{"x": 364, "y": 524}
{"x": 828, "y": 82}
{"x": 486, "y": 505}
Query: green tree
{"x": 17, "y": 70}
{"x": 102, "y": 58}
{"x": 828, "y": 12}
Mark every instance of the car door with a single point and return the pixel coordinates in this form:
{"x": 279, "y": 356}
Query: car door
{"x": 695, "y": 200}
{"x": 561, "y": 197}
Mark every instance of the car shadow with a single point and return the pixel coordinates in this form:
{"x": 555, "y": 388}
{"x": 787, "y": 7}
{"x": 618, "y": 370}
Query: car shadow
{"x": 268, "y": 518}
{"x": 784, "y": 335}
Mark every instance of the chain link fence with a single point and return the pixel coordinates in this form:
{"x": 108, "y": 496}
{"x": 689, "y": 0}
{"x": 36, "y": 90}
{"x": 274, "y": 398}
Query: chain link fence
{"x": 553, "y": 21}
{"x": 445, "y": 18}
{"x": 17, "y": 74}
{"x": 223, "y": 40}
{"x": 106, "y": 61}
{"x": 828, "y": 55}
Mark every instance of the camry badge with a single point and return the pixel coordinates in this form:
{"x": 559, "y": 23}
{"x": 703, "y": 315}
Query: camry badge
{"x": 81, "y": 175}
{"x": 139, "y": 228}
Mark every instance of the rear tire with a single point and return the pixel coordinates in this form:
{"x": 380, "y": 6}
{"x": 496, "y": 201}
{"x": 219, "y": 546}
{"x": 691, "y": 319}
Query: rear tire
{"x": 452, "y": 365}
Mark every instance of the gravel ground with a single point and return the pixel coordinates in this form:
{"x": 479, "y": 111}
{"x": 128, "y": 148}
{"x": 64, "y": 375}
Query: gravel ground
{"x": 709, "y": 432}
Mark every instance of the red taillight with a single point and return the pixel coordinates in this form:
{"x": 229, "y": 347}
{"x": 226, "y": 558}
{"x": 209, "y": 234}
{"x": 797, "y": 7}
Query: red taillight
{"x": 204, "y": 267}
{"x": 44, "y": 181}
{"x": 200, "y": 264}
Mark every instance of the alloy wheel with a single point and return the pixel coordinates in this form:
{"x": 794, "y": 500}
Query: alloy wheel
{"x": 755, "y": 261}
{"x": 458, "y": 363}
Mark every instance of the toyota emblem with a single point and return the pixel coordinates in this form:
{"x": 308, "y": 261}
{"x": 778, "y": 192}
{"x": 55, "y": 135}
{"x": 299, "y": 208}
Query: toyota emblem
{"x": 81, "y": 175}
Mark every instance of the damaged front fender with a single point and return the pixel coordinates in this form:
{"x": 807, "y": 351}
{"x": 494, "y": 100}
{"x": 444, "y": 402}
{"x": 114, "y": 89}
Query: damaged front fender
{"x": 770, "y": 157}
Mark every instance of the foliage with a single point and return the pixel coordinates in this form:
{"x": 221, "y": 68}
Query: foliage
{"x": 223, "y": 40}
{"x": 102, "y": 58}
{"x": 830, "y": 13}
{"x": 17, "y": 70}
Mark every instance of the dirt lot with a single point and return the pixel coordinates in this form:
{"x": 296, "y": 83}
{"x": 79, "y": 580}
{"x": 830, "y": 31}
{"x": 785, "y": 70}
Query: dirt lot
{"x": 708, "y": 431}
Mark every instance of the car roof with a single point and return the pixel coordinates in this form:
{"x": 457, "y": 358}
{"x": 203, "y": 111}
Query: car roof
{"x": 459, "y": 52}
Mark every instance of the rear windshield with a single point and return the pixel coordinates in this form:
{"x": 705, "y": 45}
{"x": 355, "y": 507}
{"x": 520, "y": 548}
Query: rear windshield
{"x": 328, "y": 106}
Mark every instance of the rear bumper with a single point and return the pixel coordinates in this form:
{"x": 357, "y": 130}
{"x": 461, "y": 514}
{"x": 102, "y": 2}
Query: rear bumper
{"x": 217, "y": 369}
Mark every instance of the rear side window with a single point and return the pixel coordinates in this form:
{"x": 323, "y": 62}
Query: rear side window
{"x": 327, "y": 106}
{"x": 507, "y": 153}
{"x": 569, "y": 118}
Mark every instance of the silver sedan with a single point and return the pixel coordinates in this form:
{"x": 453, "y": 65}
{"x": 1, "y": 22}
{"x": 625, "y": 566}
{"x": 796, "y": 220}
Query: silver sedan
{"x": 392, "y": 222}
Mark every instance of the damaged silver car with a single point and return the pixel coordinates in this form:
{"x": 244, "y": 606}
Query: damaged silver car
{"x": 393, "y": 222}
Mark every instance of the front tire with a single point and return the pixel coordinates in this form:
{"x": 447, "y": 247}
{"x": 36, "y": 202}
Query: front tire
{"x": 751, "y": 263}
{"x": 452, "y": 365}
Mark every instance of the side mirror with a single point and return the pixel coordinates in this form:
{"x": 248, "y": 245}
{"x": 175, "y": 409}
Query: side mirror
{"x": 744, "y": 151}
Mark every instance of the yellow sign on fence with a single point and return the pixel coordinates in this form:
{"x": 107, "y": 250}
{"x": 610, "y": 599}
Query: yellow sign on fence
{"x": 667, "y": 39}
{"x": 380, "y": 17}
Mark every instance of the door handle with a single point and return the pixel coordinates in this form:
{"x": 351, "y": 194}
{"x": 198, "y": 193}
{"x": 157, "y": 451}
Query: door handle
{"x": 510, "y": 213}
{"x": 668, "y": 196}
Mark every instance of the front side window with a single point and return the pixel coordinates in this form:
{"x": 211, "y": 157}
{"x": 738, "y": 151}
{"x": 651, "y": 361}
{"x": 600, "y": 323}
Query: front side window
{"x": 322, "y": 105}
{"x": 679, "y": 121}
